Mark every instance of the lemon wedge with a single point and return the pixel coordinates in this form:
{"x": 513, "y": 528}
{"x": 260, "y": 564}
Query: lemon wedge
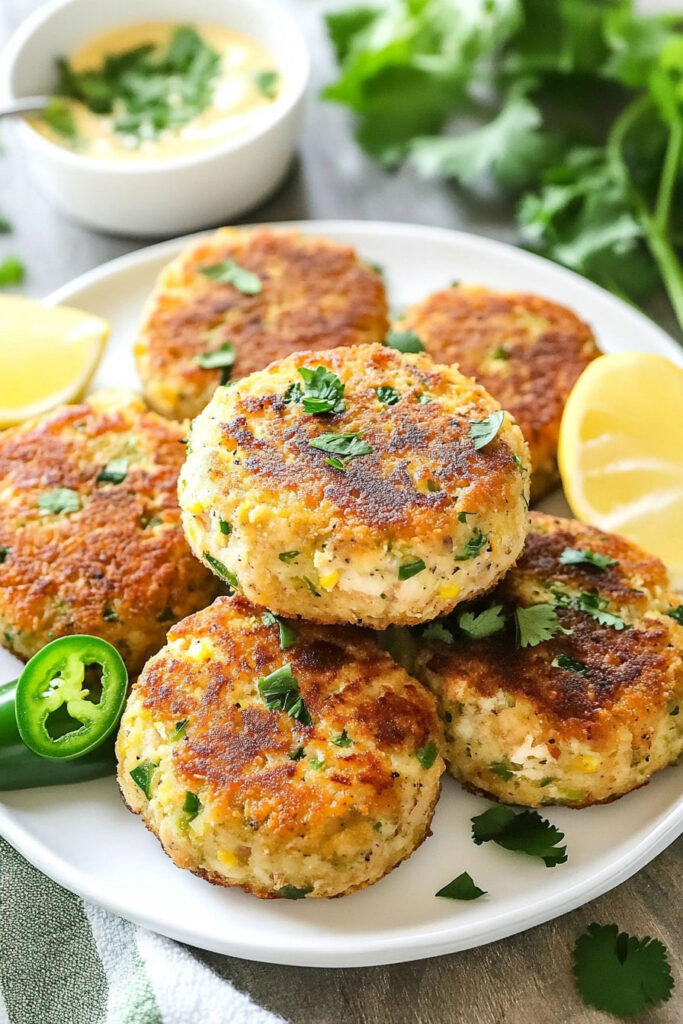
{"x": 47, "y": 354}
{"x": 621, "y": 452}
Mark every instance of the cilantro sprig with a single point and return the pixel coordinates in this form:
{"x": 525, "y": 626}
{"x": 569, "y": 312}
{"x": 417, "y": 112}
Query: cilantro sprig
{"x": 619, "y": 973}
{"x": 229, "y": 272}
{"x": 461, "y": 888}
{"x": 483, "y": 432}
{"x": 343, "y": 448}
{"x": 323, "y": 391}
{"x": 582, "y": 556}
{"x": 526, "y": 832}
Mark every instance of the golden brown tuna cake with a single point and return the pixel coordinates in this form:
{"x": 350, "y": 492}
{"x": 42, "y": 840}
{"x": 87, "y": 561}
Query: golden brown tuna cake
{"x": 289, "y": 759}
{"x": 90, "y": 534}
{"x": 412, "y": 514}
{"x": 526, "y": 351}
{"x": 585, "y": 715}
{"x": 300, "y": 293}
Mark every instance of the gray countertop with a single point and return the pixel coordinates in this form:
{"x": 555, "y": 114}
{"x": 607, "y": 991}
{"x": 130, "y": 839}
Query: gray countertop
{"x": 525, "y": 979}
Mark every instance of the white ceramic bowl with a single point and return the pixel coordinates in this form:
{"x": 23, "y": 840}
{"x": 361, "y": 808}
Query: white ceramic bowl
{"x": 158, "y": 197}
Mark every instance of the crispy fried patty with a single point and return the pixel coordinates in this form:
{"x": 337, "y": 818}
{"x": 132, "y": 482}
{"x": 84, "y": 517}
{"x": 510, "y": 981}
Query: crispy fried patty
{"x": 526, "y": 351}
{"x": 90, "y": 534}
{"x": 318, "y": 802}
{"x": 580, "y": 718}
{"x": 314, "y": 293}
{"x": 418, "y": 521}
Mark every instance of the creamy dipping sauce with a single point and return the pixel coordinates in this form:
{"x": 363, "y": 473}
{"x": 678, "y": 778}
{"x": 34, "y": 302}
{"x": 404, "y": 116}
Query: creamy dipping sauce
{"x": 218, "y": 85}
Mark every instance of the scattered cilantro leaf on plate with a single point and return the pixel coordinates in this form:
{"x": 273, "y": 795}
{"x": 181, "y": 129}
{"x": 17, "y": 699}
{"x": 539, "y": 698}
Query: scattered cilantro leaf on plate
{"x": 323, "y": 391}
{"x": 582, "y": 556}
{"x": 537, "y": 623}
{"x": 461, "y": 888}
{"x": 483, "y": 432}
{"x": 619, "y": 973}
{"x": 526, "y": 832}
{"x": 12, "y": 271}
{"x": 436, "y": 631}
{"x": 479, "y": 625}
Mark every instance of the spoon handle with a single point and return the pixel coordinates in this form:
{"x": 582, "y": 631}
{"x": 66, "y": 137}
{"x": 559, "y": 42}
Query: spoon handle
{"x": 25, "y": 105}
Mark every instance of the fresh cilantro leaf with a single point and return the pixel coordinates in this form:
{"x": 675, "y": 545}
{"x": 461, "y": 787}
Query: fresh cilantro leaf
{"x": 222, "y": 570}
{"x": 511, "y": 148}
{"x": 4, "y": 552}
{"x": 462, "y": 516}
{"x": 436, "y": 631}
{"x": 504, "y": 769}
{"x": 409, "y": 569}
{"x": 581, "y": 556}
{"x": 501, "y": 352}
{"x": 345, "y": 25}
{"x": 619, "y": 973}
{"x": 676, "y": 614}
{"x": 224, "y": 527}
{"x": 483, "y": 432}
{"x": 537, "y": 623}
{"x": 569, "y": 664}
{"x": 323, "y": 391}
{"x": 479, "y": 625}
{"x": 346, "y": 446}
{"x": 291, "y": 892}
{"x": 60, "y": 118}
{"x": 298, "y": 754}
{"x": 427, "y": 755}
{"x": 5, "y": 225}
{"x": 229, "y": 272}
{"x": 60, "y": 501}
{"x": 288, "y": 635}
{"x": 294, "y": 393}
{"x": 526, "y": 832}
{"x": 288, "y": 556}
{"x": 179, "y": 730}
{"x": 462, "y": 888}
{"x": 316, "y": 763}
{"x": 142, "y": 776}
{"x": 192, "y": 805}
{"x": 592, "y": 604}
{"x": 388, "y": 395}
{"x": 222, "y": 358}
{"x": 267, "y": 83}
{"x": 342, "y": 740}
{"x": 115, "y": 472}
{"x": 404, "y": 341}
{"x": 110, "y": 614}
{"x": 280, "y": 692}
{"x": 401, "y": 643}
{"x": 12, "y": 271}
{"x": 473, "y": 546}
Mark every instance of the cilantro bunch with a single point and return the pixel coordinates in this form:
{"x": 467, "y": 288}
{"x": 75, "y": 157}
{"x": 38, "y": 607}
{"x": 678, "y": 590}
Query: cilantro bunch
{"x": 576, "y": 106}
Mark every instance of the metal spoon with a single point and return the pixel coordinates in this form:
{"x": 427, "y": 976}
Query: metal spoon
{"x": 25, "y": 105}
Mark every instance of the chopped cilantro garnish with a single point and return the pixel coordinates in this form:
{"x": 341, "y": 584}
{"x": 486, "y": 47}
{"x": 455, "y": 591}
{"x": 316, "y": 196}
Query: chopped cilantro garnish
{"x": 291, "y": 892}
{"x": 569, "y": 664}
{"x": 297, "y": 754}
{"x": 479, "y": 625}
{"x": 166, "y": 615}
{"x": 110, "y": 614}
{"x": 388, "y": 395}
{"x": 342, "y": 740}
{"x": 146, "y": 89}
{"x": 316, "y": 763}
{"x": 423, "y": 399}
{"x": 404, "y": 341}
{"x": 221, "y": 570}
{"x": 461, "y": 888}
{"x": 4, "y": 552}
{"x": 280, "y": 692}
{"x": 345, "y": 446}
{"x": 619, "y": 973}
{"x": 592, "y": 604}
{"x": 311, "y": 586}
{"x": 229, "y": 272}
{"x": 526, "y": 832}
{"x": 12, "y": 271}
{"x": 409, "y": 569}
{"x": 221, "y": 358}
{"x": 179, "y": 730}
{"x": 224, "y": 527}
{"x": 483, "y": 432}
{"x": 60, "y": 118}
{"x": 192, "y": 805}
{"x": 427, "y": 755}
{"x": 504, "y": 769}
{"x": 288, "y": 556}
{"x": 267, "y": 83}
{"x": 500, "y": 352}
{"x": 581, "y": 556}
{"x": 676, "y": 614}
{"x": 518, "y": 463}
{"x": 288, "y": 635}
{"x": 142, "y": 776}
{"x": 60, "y": 501}
{"x": 537, "y": 623}
{"x": 462, "y": 516}
{"x": 323, "y": 391}
{"x": 115, "y": 472}
{"x": 294, "y": 393}
{"x": 473, "y": 546}
{"x": 437, "y": 631}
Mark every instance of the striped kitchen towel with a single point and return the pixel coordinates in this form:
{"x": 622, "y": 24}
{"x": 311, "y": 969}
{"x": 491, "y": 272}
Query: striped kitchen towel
{"x": 63, "y": 961}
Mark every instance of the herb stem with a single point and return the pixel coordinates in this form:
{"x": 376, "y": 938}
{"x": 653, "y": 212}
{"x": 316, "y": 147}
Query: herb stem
{"x": 667, "y": 183}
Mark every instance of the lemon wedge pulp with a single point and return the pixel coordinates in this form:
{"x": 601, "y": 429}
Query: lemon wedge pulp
{"x": 48, "y": 355}
{"x": 621, "y": 452}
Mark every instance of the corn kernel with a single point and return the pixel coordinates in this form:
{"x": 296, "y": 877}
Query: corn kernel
{"x": 584, "y": 763}
{"x": 227, "y": 858}
{"x": 200, "y": 650}
{"x": 195, "y": 507}
{"x": 448, "y": 591}
{"x": 329, "y": 579}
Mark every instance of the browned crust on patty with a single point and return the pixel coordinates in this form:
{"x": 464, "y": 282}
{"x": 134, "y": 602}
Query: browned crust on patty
{"x": 62, "y": 573}
{"x": 630, "y": 675}
{"x": 315, "y": 293}
{"x": 546, "y": 347}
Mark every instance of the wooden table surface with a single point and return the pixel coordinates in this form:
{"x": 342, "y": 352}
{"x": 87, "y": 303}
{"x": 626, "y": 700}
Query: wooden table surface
{"x": 525, "y": 979}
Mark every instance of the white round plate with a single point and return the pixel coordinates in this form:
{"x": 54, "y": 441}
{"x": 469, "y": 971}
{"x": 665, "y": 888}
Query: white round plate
{"x": 84, "y": 838}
